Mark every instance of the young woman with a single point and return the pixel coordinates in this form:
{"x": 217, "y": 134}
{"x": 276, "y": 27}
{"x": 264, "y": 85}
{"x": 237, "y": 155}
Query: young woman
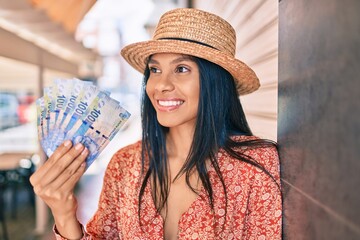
{"x": 197, "y": 173}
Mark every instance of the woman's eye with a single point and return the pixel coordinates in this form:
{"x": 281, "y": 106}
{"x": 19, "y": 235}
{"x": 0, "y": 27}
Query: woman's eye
{"x": 154, "y": 70}
{"x": 182, "y": 69}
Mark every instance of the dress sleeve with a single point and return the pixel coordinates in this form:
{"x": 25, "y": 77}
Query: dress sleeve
{"x": 264, "y": 211}
{"x": 103, "y": 225}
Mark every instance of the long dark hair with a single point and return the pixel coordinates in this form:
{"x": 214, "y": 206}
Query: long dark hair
{"x": 220, "y": 117}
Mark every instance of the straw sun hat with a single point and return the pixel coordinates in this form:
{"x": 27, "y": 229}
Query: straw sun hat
{"x": 196, "y": 33}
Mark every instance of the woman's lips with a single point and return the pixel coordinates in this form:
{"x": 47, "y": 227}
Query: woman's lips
{"x": 169, "y": 105}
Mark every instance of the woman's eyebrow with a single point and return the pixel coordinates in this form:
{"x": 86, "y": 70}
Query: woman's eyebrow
{"x": 182, "y": 58}
{"x": 174, "y": 61}
{"x": 153, "y": 61}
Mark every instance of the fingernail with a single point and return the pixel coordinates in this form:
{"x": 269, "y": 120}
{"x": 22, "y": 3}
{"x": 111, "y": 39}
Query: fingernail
{"x": 85, "y": 151}
{"x": 78, "y": 146}
{"x": 83, "y": 164}
{"x": 67, "y": 143}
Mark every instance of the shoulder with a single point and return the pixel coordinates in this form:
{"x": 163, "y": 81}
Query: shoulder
{"x": 265, "y": 155}
{"x": 126, "y": 158}
{"x": 128, "y": 151}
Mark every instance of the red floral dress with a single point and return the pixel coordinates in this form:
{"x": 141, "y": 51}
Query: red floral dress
{"x": 253, "y": 209}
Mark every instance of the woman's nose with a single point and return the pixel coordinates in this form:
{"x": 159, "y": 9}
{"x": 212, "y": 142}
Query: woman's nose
{"x": 164, "y": 83}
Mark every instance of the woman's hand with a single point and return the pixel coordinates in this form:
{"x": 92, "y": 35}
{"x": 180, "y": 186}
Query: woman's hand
{"x": 54, "y": 183}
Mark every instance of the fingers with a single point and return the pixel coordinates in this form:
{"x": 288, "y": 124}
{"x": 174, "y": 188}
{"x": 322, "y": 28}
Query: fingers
{"x": 71, "y": 175}
{"x": 59, "y": 152}
{"x": 64, "y": 162}
{"x": 54, "y": 182}
{"x": 58, "y": 165}
{"x": 61, "y": 189}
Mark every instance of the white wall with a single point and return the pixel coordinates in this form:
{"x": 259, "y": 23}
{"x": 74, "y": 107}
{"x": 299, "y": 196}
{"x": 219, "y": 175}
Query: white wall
{"x": 256, "y": 25}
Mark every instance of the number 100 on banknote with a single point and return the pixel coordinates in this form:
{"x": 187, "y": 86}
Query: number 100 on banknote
{"x": 77, "y": 110}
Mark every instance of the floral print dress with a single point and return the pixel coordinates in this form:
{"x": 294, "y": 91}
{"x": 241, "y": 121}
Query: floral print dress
{"x": 253, "y": 209}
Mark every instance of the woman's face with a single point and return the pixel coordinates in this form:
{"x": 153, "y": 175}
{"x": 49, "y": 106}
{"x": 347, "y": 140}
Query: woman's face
{"x": 173, "y": 88}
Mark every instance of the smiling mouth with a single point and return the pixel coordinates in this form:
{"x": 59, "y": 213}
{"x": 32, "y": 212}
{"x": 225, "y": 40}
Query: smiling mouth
{"x": 172, "y": 103}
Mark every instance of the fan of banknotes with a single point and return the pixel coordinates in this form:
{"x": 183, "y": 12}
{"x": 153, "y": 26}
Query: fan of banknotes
{"x": 79, "y": 111}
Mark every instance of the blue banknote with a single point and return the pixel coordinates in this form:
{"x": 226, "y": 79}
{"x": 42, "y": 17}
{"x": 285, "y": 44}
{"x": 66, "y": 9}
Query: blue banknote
{"x": 79, "y": 111}
{"x": 61, "y": 90}
{"x": 41, "y": 116}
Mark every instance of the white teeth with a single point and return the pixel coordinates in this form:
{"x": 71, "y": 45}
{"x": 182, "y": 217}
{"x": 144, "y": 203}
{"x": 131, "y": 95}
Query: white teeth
{"x": 170, "y": 103}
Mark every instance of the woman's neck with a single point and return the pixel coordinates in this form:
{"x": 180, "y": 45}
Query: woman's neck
{"x": 178, "y": 143}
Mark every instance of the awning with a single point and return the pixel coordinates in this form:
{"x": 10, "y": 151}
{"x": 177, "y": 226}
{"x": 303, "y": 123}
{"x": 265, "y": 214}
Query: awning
{"x": 46, "y": 24}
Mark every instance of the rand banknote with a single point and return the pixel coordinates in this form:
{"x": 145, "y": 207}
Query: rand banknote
{"x": 82, "y": 114}
{"x": 97, "y": 133}
{"x": 61, "y": 90}
{"x": 72, "y": 94}
{"x": 48, "y": 106}
{"x": 41, "y": 115}
{"x": 79, "y": 111}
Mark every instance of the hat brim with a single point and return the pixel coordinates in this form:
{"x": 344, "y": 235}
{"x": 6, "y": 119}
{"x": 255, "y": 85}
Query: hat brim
{"x": 137, "y": 54}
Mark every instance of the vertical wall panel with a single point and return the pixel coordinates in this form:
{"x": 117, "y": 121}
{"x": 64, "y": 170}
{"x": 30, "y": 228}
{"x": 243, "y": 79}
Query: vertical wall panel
{"x": 256, "y": 25}
{"x": 319, "y": 118}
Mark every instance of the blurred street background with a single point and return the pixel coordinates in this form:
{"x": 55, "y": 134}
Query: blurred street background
{"x": 41, "y": 40}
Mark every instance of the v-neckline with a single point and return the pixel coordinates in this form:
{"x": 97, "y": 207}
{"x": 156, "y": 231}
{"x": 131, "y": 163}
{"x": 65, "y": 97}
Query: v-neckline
{"x": 201, "y": 196}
